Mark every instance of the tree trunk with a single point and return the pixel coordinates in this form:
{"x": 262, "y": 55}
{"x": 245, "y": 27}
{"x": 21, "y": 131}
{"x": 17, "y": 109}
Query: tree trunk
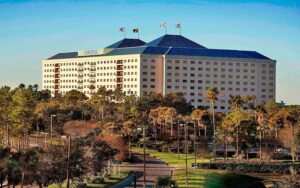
{"x": 129, "y": 148}
{"x": 22, "y": 179}
{"x": 178, "y": 140}
{"x": 224, "y": 145}
{"x": 214, "y": 126}
{"x": 293, "y": 143}
{"x": 237, "y": 142}
{"x": 172, "y": 128}
{"x": 260, "y": 151}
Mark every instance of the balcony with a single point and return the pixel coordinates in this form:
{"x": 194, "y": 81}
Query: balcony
{"x": 80, "y": 76}
{"x": 92, "y": 81}
{"x": 80, "y": 70}
{"x": 120, "y": 62}
{"x": 92, "y": 75}
{"x": 119, "y": 80}
{"x": 92, "y": 87}
{"x": 119, "y": 73}
{"x": 119, "y": 86}
{"x": 56, "y": 76}
{"x": 57, "y": 65}
{"x": 120, "y": 67}
{"x": 92, "y": 69}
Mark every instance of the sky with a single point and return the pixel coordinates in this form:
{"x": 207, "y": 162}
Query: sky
{"x": 31, "y": 31}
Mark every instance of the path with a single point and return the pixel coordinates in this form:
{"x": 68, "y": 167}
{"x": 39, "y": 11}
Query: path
{"x": 154, "y": 168}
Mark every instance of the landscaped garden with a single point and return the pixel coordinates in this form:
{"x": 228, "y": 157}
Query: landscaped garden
{"x": 85, "y": 135}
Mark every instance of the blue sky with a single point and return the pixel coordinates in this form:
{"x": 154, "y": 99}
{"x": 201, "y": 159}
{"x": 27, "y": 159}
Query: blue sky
{"x": 31, "y": 31}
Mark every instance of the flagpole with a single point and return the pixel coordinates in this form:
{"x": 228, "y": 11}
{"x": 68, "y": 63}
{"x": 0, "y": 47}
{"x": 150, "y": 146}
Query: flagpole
{"x": 124, "y": 32}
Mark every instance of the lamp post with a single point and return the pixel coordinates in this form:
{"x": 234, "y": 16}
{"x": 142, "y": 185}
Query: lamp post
{"x": 68, "y": 164}
{"x": 36, "y": 137}
{"x": 51, "y": 127}
{"x": 178, "y": 134}
{"x": 143, "y": 128}
{"x": 186, "y": 148}
{"x": 195, "y": 155}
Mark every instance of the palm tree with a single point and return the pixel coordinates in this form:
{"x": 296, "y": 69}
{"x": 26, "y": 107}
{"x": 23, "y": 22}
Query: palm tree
{"x": 153, "y": 117}
{"x": 170, "y": 116}
{"x": 211, "y": 97}
{"x": 235, "y": 102}
{"x": 197, "y": 116}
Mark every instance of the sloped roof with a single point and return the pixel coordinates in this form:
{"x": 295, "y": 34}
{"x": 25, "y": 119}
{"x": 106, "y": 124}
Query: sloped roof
{"x": 169, "y": 45}
{"x": 124, "y": 43}
{"x": 174, "y": 41}
{"x": 65, "y": 55}
{"x": 216, "y": 53}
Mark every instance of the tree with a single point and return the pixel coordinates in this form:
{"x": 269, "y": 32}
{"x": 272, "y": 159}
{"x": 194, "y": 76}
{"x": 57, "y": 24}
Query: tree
{"x": 13, "y": 172}
{"x": 74, "y": 98}
{"x": 22, "y": 113}
{"x": 77, "y": 129}
{"x": 52, "y": 165}
{"x": 235, "y": 102}
{"x": 262, "y": 126}
{"x": 153, "y": 118}
{"x": 177, "y": 101}
{"x": 225, "y": 133}
{"x": 211, "y": 96}
{"x": 5, "y": 109}
{"x": 198, "y": 115}
{"x": 235, "y": 119}
{"x": 291, "y": 117}
{"x": 28, "y": 162}
{"x": 116, "y": 142}
{"x": 129, "y": 130}
{"x": 170, "y": 116}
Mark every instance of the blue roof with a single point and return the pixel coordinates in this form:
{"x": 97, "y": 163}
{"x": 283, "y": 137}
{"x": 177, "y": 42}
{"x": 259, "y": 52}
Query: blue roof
{"x": 174, "y": 41}
{"x": 64, "y": 55}
{"x": 171, "y": 45}
{"x": 216, "y": 53}
{"x": 124, "y": 43}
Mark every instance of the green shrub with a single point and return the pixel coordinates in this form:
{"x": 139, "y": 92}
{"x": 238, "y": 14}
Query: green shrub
{"x": 250, "y": 167}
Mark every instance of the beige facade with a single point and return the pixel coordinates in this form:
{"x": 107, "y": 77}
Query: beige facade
{"x": 162, "y": 73}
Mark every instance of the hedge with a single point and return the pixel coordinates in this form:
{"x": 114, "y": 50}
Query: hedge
{"x": 250, "y": 167}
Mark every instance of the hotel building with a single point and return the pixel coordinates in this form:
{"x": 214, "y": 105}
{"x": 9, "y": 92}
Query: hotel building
{"x": 171, "y": 63}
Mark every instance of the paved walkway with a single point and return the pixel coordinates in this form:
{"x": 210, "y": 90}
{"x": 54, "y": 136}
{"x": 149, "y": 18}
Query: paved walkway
{"x": 154, "y": 168}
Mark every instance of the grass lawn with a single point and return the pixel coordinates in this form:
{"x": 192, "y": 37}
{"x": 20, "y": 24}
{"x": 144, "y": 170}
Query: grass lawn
{"x": 171, "y": 158}
{"x": 109, "y": 182}
{"x": 214, "y": 179}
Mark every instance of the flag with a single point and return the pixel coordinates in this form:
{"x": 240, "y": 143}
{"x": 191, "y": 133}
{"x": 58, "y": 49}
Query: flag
{"x": 178, "y": 26}
{"x": 163, "y": 25}
{"x": 122, "y": 29}
{"x": 135, "y": 30}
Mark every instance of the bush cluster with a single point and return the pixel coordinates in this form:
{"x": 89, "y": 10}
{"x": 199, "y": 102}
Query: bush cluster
{"x": 250, "y": 167}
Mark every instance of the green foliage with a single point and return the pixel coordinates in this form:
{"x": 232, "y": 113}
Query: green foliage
{"x": 280, "y": 168}
{"x": 165, "y": 182}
